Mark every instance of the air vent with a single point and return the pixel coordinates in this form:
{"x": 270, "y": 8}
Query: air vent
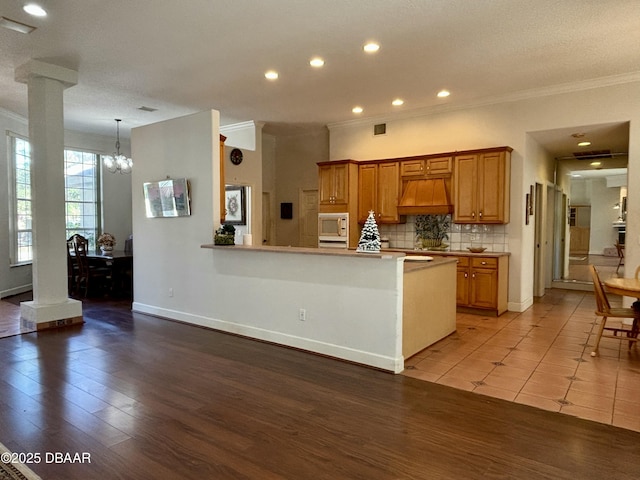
{"x": 592, "y": 155}
{"x": 147, "y": 109}
{"x": 380, "y": 129}
{"x": 16, "y": 26}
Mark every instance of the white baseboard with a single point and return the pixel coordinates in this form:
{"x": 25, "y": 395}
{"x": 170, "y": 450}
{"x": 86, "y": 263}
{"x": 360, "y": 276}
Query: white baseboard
{"x": 395, "y": 365}
{"x": 520, "y": 306}
{"x": 16, "y": 290}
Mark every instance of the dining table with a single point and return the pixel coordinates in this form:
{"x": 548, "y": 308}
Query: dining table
{"x": 627, "y": 287}
{"x": 121, "y": 264}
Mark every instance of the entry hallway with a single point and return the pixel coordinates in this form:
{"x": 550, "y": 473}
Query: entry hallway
{"x": 150, "y": 398}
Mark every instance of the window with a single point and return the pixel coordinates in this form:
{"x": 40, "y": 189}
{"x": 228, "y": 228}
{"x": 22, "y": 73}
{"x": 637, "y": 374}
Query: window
{"x": 21, "y": 220}
{"x": 81, "y": 198}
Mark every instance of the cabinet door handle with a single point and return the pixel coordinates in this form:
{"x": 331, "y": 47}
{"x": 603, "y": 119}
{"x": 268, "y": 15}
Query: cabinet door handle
{"x": 480, "y": 214}
{"x": 466, "y": 275}
{"x": 473, "y": 214}
{"x": 473, "y": 275}
{"x": 483, "y": 263}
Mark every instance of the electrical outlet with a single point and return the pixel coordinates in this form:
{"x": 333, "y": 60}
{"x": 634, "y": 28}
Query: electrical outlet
{"x": 171, "y": 292}
{"x": 302, "y": 315}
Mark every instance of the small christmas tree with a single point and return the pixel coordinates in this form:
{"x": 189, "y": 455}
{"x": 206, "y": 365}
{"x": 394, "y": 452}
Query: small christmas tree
{"x": 370, "y": 237}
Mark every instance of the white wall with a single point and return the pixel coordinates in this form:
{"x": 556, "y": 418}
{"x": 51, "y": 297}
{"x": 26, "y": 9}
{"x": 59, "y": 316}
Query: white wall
{"x": 507, "y": 124}
{"x": 251, "y": 293}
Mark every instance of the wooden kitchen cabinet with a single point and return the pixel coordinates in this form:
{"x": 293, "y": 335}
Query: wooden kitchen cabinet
{"x": 426, "y": 166}
{"x": 334, "y": 181}
{"x": 338, "y": 192}
{"x": 379, "y": 190}
{"x": 482, "y": 186}
{"x": 482, "y": 283}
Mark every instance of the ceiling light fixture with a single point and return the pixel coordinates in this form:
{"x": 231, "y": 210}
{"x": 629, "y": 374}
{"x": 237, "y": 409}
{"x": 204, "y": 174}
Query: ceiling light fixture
{"x": 371, "y": 47}
{"x": 443, "y": 93}
{"x": 116, "y": 162}
{"x": 271, "y": 75}
{"x": 16, "y": 26}
{"x": 316, "y": 62}
{"x": 584, "y": 144}
{"x": 35, "y": 10}
{"x": 596, "y": 164}
{"x": 397, "y": 102}
{"x": 357, "y": 110}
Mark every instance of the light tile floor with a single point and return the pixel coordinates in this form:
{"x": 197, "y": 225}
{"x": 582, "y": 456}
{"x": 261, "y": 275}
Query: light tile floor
{"x": 540, "y": 357}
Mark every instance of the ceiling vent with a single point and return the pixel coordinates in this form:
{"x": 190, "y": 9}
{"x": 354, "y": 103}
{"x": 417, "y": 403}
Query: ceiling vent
{"x": 380, "y": 129}
{"x": 592, "y": 155}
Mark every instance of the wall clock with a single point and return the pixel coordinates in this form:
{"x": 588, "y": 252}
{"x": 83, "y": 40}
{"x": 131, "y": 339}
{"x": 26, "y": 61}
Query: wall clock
{"x": 236, "y": 156}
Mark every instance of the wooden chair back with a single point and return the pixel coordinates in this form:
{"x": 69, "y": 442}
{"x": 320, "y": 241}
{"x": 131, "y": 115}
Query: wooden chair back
{"x": 80, "y": 246}
{"x": 602, "y": 302}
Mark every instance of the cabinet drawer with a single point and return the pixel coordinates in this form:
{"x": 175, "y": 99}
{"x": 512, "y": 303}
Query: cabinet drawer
{"x": 463, "y": 262}
{"x": 484, "y": 262}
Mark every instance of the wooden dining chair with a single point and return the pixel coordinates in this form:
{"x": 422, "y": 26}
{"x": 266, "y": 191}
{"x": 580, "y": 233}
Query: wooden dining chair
{"x": 88, "y": 274}
{"x": 73, "y": 269}
{"x": 620, "y": 250}
{"x": 622, "y": 322}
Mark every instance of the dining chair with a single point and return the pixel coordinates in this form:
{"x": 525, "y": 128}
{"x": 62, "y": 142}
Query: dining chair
{"x": 620, "y": 250}
{"x": 623, "y": 322}
{"x": 73, "y": 269}
{"x": 88, "y": 273}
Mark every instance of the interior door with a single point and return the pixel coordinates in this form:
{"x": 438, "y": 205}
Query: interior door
{"x": 308, "y": 221}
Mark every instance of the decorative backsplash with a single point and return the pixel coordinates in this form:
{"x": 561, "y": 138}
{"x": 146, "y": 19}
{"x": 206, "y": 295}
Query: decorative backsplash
{"x": 494, "y": 237}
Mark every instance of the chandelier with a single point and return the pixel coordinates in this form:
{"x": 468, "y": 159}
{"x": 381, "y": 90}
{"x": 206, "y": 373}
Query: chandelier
{"x": 116, "y": 162}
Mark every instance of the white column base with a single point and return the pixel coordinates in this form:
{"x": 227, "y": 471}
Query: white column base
{"x": 43, "y": 316}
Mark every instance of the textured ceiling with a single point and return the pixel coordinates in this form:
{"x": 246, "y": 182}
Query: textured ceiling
{"x": 188, "y": 56}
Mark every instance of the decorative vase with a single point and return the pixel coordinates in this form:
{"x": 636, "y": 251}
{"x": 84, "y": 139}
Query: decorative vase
{"x": 431, "y": 242}
{"x": 223, "y": 239}
{"x": 106, "y": 248}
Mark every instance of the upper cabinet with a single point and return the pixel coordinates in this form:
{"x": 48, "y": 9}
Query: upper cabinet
{"x": 426, "y": 166}
{"x": 334, "y": 183}
{"x": 482, "y": 186}
{"x": 379, "y": 190}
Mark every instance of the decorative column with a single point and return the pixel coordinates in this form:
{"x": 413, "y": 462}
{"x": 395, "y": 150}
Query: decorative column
{"x": 51, "y": 306}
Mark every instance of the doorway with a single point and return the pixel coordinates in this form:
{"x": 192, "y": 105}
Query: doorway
{"x": 589, "y": 165}
{"x": 308, "y": 221}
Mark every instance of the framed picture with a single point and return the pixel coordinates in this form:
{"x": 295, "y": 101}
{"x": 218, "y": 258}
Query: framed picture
{"x": 235, "y": 205}
{"x": 167, "y": 198}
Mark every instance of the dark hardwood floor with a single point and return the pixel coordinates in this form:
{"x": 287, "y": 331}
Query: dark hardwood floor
{"x": 153, "y": 399}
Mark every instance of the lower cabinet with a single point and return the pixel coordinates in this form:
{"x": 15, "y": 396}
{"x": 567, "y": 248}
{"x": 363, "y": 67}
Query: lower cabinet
{"x": 482, "y": 283}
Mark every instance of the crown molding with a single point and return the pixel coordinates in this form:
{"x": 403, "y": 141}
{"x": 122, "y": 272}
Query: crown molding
{"x": 235, "y": 127}
{"x": 13, "y": 116}
{"x": 558, "y": 89}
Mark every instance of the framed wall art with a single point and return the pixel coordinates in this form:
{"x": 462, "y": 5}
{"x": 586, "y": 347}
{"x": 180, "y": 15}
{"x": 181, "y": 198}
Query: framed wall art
{"x": 235, "y": 205}
{"x": 167, "y": 198}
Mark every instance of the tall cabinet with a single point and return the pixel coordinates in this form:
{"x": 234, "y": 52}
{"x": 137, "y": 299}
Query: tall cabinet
{"x": 482, "y": 186}
{"x": 338, "y": 192}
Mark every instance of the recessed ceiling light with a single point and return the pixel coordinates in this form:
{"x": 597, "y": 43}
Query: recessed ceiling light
{"x": 371, "y": 47}
{"x": 575, "y": 175}
{"x": 596, "y": 164}
{"x": 444, "y": 93}
{"x": 584, "y": 144}
{"x": 271, "y": 75}
{"x": 35, "y": 10}
{"x": 397, "y": 102}
{"x": 316, "y": 62}
{"x": 357, "y": 110}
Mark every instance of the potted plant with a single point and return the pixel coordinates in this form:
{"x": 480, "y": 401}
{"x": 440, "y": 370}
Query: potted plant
{"x": 225, "y": 235}
{"x": 431, "y": 230}
{"x": 106, "y": 242}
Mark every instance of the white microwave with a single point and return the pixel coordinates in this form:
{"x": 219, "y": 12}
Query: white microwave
{"x": 333, "y": 230}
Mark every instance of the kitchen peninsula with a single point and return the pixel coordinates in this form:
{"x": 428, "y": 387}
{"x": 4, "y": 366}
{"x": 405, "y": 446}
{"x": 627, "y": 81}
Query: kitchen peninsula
{"x": 372, "y": 309}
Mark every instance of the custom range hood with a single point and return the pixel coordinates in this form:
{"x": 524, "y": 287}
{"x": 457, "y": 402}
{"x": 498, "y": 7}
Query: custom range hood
{"x": 426, "y": 197}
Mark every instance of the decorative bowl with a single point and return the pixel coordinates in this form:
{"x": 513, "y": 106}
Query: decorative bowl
{"x": 476, "y": 249}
